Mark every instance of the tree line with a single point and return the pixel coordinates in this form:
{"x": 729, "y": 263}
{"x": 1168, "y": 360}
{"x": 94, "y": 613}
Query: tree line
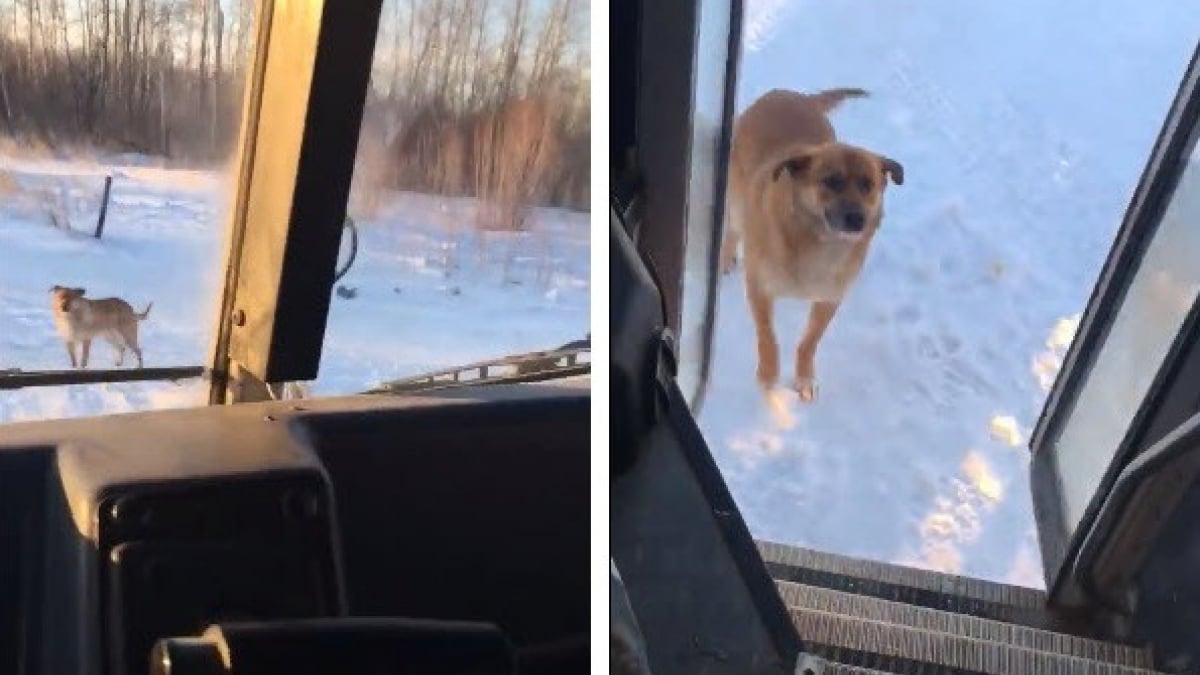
{"x": 485, "y": 98}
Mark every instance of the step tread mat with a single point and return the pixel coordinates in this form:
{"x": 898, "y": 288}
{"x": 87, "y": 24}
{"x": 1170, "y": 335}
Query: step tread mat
{"x": 917, "y": 647}
{"x": 923, "y": 618}
{"x": 924, "y": 588}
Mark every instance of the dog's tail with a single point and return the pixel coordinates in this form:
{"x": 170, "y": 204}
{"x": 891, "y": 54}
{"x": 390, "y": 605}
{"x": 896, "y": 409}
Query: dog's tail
{"x": 829, "y": 99}
{"x": 143, "y": 315}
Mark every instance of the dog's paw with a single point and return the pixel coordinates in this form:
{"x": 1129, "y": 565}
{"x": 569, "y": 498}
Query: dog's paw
{"x": 780, "y": 408}
{"x": 806, "y": 387}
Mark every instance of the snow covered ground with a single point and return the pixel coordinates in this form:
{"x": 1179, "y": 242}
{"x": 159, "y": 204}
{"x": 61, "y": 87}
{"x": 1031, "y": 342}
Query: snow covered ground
{"x": 430, "y": 291}
{"x": 1023, "y": 127}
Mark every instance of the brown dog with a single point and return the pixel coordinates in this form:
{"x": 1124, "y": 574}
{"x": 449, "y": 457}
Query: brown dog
{"x": 81, "y": 319}
{"x": 807, "y": 207}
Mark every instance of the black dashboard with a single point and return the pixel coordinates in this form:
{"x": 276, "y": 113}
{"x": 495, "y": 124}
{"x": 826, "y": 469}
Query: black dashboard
{"x": 464, "y": 504}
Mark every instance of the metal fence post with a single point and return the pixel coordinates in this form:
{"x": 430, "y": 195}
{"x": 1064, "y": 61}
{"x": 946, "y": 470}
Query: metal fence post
{"x": 103, "y": 206}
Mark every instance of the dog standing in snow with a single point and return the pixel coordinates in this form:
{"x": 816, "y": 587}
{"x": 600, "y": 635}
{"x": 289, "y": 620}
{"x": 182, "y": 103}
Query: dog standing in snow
{"x": 807, "y": 207}
{"x": 80, "y": 320}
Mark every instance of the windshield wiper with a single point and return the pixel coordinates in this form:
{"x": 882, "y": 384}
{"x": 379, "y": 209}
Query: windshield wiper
{"x": 570, "y": 359}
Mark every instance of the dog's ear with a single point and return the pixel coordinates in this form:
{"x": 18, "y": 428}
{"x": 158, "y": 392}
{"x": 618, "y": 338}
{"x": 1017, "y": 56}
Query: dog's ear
{"x": 892, "y": 169}
{"x": 795, "y": 166}
{"x": 55, "y": 288}
{"x": 79, "y": 291}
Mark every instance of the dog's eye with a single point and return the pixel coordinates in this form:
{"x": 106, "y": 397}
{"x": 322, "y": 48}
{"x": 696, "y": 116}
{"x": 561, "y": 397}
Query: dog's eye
{"x": 835, "y": 183}
{"x": 866, "y": 184}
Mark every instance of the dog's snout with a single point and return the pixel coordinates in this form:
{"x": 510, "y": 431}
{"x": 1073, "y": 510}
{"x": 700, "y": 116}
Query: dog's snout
{"x": 847, "y": 219}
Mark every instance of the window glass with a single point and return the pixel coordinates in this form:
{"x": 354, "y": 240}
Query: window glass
{"x": 1018, "y": 166}
{"x": 1160, "y": 296}
{"x": 82, "y": 400}
{"x": 470, "y": 194}
{"x": 710, "y": 82}
{"x": 126, "y": 114}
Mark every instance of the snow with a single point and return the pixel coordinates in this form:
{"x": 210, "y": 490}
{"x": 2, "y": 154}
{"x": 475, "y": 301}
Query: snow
{"x": 1023, "y": 127}
{"x": 431, "y": 291}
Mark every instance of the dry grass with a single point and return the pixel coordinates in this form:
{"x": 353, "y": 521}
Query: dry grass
{"x": 517, "y": 151}
{"x": 512, "y": 157}
{"x": 8, "y": 184}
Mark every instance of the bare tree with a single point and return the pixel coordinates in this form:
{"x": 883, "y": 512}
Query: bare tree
{"x": 473, "y": 97}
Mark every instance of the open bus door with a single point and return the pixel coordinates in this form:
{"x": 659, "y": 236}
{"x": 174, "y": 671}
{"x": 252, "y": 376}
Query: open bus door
{"x": 1116, "y": 453}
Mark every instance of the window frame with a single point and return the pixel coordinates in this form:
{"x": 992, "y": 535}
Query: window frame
{"x": 713, "y": 230}
{"x": 665, "y": 158}
{"x": 311, "y": 72}
{"x": 1059, "y": 542}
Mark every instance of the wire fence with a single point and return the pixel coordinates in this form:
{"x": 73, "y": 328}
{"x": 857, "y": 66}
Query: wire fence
{"x": 71, "y": 202}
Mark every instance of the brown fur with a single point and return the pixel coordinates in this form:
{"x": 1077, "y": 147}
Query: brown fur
{"x": 807, "y": 207}
{"x": 80, "y": 320}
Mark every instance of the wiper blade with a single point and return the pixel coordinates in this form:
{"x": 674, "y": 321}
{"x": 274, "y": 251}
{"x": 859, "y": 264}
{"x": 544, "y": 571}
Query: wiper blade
{"x": 573, "y": 358}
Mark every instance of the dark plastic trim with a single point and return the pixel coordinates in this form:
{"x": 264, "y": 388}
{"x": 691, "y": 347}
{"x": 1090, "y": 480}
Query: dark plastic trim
{"x": 771, "y": 608}
{"x": 1150, "y": 464}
